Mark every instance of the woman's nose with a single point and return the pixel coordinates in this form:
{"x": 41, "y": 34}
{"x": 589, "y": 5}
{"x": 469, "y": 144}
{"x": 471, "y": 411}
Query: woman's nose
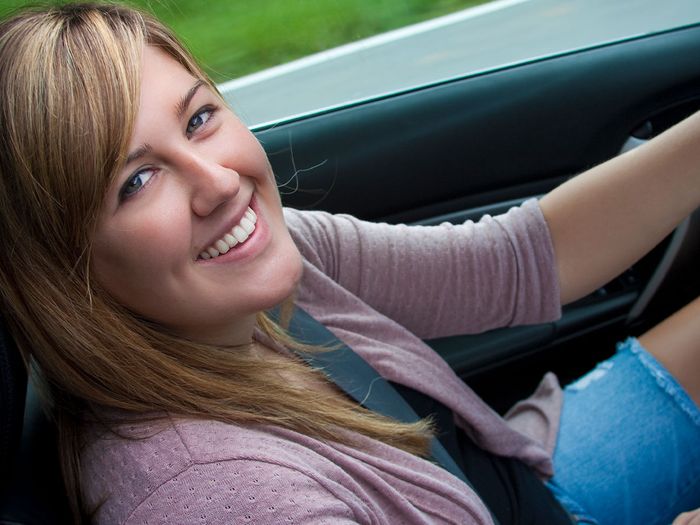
{"x": 213, "y": 184}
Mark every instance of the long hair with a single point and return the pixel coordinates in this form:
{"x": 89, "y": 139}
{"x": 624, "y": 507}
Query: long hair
{"x": 69, "y": 79}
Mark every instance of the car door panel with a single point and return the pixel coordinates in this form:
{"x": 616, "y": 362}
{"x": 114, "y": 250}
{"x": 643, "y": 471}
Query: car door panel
{"x": 459, "y": 149}
{"x": 512, "y": 128}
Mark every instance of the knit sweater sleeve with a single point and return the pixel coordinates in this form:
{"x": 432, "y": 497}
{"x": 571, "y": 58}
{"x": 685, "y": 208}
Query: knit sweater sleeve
{"x": 440, "y": 280}
{"x": 240, "y": 491}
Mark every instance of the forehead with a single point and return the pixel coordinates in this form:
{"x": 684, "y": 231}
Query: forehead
{"x": 160, "y": 69}
{"x": 163, "y": 84}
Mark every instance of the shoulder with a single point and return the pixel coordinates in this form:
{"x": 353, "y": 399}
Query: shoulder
{"x": 308, "y": 229}
{"x": 313, "y": 227}
{"x": 245, "y": 490}
{"x": 321, "y": 237}
{"x": 191, "y": 468}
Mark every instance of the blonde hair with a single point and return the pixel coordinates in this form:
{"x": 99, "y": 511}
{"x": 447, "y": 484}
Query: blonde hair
{"x": 69, "y": 78}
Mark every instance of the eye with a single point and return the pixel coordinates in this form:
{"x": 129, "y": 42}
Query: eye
{"x": 136, "y": 182}
{"x": 199, "y": 119}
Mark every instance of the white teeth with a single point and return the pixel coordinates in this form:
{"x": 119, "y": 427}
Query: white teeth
{"x": 222, "y": 246}
{"x": 247, "y": 225}
{"x": 231, "y": 240}
{"x": 237, "y": 235}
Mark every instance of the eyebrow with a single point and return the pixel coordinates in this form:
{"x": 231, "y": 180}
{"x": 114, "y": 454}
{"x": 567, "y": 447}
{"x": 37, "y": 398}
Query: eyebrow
{"x": 184, "y": 102}
{"x": 138, "y": 153}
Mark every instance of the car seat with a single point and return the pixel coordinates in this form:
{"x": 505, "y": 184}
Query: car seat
{"x": 31, "y": 487}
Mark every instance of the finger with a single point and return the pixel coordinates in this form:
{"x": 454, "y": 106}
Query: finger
{"x": 688, "y": 518}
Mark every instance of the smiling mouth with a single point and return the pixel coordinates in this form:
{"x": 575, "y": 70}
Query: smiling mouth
{"x": 237, "y": 236}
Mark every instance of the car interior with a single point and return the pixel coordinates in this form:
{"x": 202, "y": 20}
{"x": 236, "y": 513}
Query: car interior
{"x": 453, "y": 151}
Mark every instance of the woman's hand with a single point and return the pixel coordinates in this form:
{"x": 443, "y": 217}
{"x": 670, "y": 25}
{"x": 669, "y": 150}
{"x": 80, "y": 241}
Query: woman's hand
{"x": 688, "y": 518}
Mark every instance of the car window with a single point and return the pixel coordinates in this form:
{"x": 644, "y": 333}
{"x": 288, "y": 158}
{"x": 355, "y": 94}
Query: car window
{"x": 481, "y": 38}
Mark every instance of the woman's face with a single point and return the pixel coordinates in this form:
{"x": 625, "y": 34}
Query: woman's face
{"x": 194, "y": 172}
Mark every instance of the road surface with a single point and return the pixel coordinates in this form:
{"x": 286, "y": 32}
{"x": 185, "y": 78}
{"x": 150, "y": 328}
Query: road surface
{"x": 494, "y": 34}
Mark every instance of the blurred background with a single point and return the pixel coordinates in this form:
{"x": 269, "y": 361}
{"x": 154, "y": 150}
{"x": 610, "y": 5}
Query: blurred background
{"x": 235, "y": 37}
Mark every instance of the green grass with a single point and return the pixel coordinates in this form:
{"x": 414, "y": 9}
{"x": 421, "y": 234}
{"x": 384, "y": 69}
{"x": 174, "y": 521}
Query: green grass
{"x": 235, "y": 37}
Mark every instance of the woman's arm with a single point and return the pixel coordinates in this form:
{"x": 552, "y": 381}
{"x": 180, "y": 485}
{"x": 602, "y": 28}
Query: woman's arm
{"x": 605, "y": 219}
{"x": 434, "y": 280}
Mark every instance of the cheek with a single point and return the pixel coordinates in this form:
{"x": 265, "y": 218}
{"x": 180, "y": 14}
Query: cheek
{"x": 129, "y": 258}
{"x": 238, "y": 149}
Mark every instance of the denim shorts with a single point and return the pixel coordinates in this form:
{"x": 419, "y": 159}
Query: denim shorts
{"x": 628, "y": 450}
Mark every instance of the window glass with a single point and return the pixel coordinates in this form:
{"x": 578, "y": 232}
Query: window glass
{"x": 481, "y": 38}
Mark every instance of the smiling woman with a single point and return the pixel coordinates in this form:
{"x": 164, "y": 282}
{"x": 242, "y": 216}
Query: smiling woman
{"x": 148, "y": 241}
{"x": 120, "y": 312}
{"x": 193, "y": 173}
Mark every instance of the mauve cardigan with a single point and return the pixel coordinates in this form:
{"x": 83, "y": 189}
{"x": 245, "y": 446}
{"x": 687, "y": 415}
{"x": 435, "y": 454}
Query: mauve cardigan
{"x": 379, "y": 288}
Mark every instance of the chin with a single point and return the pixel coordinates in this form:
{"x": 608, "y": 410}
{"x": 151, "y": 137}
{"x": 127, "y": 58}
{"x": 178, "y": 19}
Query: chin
{"x": 284, "y": 283}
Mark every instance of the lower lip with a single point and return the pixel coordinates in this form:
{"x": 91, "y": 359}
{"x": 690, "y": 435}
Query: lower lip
{"x": 248, "y": 249}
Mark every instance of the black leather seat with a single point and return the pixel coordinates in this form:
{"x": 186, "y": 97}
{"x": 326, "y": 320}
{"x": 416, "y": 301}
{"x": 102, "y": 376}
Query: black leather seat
{"x": 31, "y": 489}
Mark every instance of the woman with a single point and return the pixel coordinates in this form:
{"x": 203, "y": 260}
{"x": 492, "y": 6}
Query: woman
{"x": 147, "y": 239}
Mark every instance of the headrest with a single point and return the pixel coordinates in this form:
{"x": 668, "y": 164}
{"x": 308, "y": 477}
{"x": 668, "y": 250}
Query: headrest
{"x": 13, "y": 389}
{"x": 32, "y": 490}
